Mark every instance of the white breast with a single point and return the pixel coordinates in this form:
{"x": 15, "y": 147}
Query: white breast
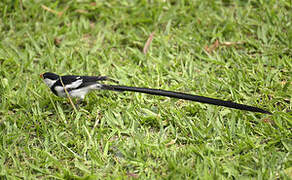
{"x": 79, "y": 92}
{"x": 49, "y": 82}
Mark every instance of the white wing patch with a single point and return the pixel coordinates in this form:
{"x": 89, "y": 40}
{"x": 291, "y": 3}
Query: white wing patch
{"x": 74, "y": 84}
{"x": 60, "y": 90}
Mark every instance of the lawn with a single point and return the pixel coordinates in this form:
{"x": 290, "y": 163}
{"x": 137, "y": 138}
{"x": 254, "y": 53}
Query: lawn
{"x": 232, "y": 50}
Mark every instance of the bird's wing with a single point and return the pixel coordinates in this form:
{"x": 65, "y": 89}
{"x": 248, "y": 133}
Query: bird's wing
{"x": 74, "y": 82}
{"x": 69, "y": 82}
{"x": 98, "y": 78}
{"x": 90, "y": 80}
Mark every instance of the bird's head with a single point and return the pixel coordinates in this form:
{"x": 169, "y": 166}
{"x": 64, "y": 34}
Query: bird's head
{"x": 49, "y": 78}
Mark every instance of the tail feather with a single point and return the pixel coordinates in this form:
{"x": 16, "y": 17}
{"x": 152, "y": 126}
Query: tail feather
{"x": 185, "y": 96}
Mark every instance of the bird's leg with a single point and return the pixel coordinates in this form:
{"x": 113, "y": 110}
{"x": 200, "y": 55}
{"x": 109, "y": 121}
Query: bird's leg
{"x": 78, "y": 102}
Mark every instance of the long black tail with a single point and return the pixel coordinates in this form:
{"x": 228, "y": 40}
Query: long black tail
{"x": 190, "y": 97}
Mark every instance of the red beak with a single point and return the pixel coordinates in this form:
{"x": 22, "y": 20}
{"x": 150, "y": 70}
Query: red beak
{"x": 41, "y": 75}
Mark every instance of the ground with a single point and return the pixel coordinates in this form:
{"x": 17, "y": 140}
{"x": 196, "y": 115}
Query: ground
{"x": 231, "y": 50}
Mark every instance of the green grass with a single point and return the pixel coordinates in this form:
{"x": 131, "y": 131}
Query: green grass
{"x": 128, "y": 135}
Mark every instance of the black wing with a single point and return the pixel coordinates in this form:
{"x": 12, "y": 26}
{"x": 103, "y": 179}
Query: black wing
{"x": 87, "y": 80}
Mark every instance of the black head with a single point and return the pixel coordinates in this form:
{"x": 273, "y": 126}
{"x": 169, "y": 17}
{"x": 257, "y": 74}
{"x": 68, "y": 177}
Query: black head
{"x": 49, "y": 75}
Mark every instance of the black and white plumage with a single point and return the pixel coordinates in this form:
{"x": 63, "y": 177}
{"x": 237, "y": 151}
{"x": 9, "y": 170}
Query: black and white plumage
{"x": 79, "y": 86}
{"x": 76, "y": 86}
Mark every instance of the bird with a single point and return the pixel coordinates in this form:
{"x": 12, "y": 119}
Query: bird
{"x": 78, "y": 86}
